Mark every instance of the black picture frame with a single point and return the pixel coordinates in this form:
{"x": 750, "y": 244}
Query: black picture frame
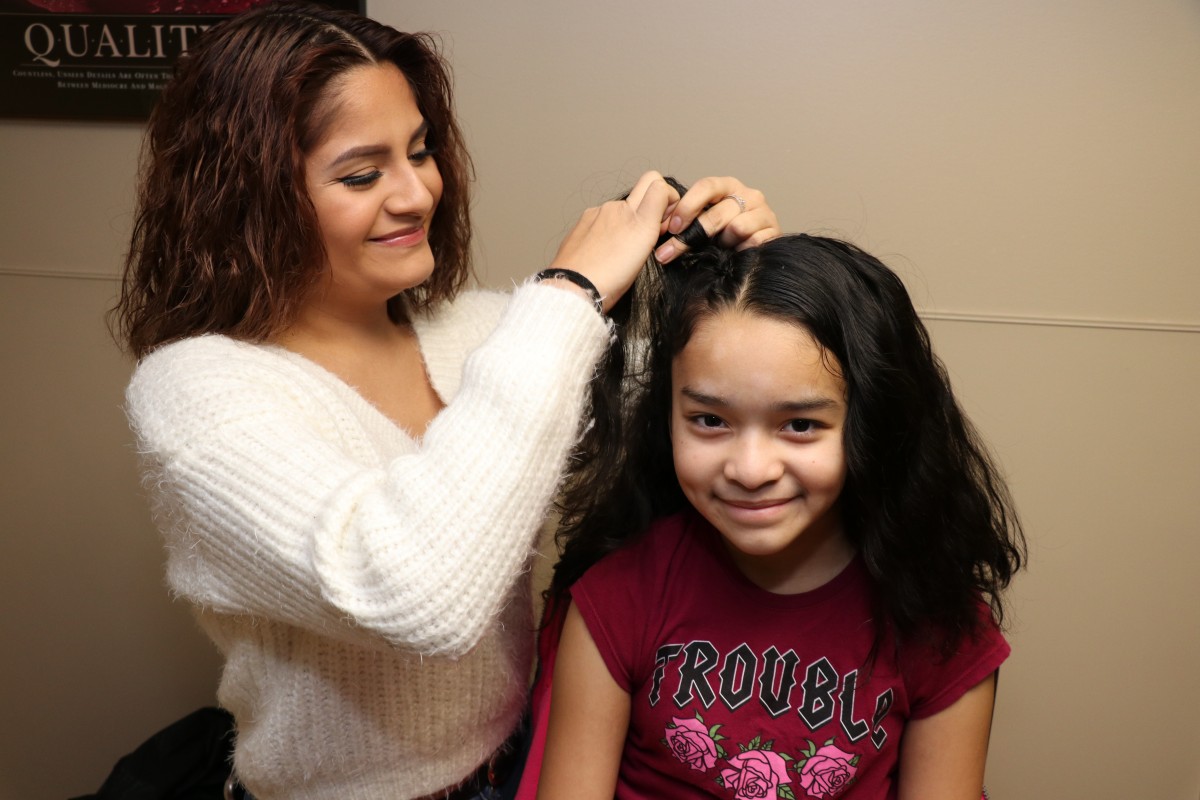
{"x": 81, "y": 60}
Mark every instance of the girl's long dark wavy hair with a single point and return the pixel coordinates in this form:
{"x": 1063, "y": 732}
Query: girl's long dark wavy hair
{"x": 225, "y": 238}
{"x": 923, "y": 502}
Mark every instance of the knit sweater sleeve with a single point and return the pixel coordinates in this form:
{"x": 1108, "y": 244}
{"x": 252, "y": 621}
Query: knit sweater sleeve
{"x": 266, "y": 513}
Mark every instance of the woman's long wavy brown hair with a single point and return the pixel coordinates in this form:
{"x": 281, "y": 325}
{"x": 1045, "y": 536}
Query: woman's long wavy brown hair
{"x": 226, "y": 239}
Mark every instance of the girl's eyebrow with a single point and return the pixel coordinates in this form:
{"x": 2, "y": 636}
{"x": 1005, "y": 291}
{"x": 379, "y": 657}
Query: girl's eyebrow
{"x": 369, "y": 150}
{"x": 790, "y": 406}
{"x": 702, "y": 398}
{"x": 801, "y": 406}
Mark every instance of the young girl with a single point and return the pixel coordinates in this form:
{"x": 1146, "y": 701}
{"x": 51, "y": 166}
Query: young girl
{"x": 349, "y": 457}
{"x": 784, "y": 553}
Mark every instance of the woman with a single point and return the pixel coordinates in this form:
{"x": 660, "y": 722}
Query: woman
{"x": 349, "y": 460}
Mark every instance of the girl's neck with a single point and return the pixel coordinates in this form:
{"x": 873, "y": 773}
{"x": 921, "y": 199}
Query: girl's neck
{"x": 815, "y": 557}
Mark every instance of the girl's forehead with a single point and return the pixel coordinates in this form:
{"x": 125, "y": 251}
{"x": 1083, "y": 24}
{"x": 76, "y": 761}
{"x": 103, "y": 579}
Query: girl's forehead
{"x": 746, "y": 354}
{"x": 737, "y": 326}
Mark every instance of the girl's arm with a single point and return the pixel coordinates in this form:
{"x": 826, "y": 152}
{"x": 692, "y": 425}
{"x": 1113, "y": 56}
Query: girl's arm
{"x": 589, "y": 717}
{"x": 942, "y": 757}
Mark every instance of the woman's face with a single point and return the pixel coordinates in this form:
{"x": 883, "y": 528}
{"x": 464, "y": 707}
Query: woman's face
{"x": 375, "y": 186}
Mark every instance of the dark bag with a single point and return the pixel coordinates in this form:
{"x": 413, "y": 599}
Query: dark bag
{"x": 188, "y": 760}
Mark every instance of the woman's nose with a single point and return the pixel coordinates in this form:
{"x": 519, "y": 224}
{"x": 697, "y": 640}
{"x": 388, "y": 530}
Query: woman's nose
{"x": 409, "y": 192}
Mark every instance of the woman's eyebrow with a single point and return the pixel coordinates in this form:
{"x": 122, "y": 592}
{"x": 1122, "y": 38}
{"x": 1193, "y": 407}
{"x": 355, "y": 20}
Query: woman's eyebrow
{"x": 369, "y": 150}
{"x": 360, "y": 151}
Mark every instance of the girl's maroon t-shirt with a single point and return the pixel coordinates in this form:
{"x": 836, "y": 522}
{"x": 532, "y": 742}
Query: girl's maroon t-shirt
{"x": 740, "y": 693}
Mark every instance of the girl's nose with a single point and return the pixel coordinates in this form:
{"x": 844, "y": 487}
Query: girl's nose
{"x": 753, "y": 463}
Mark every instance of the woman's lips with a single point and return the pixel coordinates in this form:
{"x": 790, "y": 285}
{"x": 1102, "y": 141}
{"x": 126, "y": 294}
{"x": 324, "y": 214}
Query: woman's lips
{"x": 405, "y": 237}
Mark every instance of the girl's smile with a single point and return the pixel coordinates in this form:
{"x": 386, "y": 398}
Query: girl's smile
{"x": 756, "y": 512}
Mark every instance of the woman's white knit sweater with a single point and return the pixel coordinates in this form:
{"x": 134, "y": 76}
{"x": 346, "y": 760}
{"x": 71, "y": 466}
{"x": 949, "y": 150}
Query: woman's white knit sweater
{"x": 366, "y": 589}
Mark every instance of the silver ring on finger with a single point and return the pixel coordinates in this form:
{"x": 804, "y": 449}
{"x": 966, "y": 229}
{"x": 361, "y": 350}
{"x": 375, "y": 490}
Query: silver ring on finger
{"x": 737, "y": 198}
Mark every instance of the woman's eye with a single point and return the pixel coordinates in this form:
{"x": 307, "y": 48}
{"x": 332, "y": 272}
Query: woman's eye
{"x": 421, "y": 156}
{"x": 708, "y": 420}
{"x": 800, "y": 426}
{"x": 359, "y": 181}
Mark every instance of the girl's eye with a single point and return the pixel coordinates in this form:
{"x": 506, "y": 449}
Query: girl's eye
{"x": 800, "y": 426}
{"x": 421, "y": 156}
{"x": 360, "y": 181}
{"x": 708, "y": 421}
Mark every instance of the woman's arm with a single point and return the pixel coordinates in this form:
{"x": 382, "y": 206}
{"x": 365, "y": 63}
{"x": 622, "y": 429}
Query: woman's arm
{"x": 589, "y": 717}
{"x": 271, "y": 507}
{"x": 942, "y": 757}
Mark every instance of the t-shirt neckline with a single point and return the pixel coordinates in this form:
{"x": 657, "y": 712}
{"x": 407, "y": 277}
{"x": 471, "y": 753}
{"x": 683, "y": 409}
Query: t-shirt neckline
{"x": 853, "y": 574}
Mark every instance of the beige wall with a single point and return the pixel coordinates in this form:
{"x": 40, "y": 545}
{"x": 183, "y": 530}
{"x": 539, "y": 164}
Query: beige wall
{"x": 1025, "y": 165}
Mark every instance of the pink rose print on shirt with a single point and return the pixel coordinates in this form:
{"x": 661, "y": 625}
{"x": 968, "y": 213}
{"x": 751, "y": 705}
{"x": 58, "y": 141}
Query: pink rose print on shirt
{"x": 692, "y": 743}
{"x": 827, "y": 771}
{"x": 756, "y": 774}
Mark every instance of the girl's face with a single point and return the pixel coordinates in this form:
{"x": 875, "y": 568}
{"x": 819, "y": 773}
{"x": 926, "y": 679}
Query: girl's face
{"x": 375, "y": 188}
{"x": 756, "y": 433}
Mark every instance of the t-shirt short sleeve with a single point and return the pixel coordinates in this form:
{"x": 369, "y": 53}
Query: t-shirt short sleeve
{"x": 608, "y": 599}
{"x": 935, "y": 682}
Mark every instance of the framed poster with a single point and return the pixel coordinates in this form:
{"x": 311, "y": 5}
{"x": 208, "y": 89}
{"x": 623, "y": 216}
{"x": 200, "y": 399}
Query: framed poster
{"x": 100, "y": 59}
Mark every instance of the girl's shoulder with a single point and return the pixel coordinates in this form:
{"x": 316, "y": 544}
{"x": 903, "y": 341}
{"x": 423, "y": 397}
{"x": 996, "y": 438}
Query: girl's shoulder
{"x": 662, "y": 551}
{"x": 935, "y": 677}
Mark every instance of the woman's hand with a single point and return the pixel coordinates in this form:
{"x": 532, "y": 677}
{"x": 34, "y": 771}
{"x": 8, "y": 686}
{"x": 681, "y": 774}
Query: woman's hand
{"x": 610, "y": 243}
{"x": 729, "y": 211}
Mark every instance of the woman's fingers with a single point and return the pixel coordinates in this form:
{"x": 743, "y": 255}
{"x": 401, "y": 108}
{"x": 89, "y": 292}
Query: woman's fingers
{"x": 749, "y": 229}
{"x": 611, "y": 242}
{"x": 718, "y": 194}
{"x": 725, "y": 209}
{"x": 648, "y": 182}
